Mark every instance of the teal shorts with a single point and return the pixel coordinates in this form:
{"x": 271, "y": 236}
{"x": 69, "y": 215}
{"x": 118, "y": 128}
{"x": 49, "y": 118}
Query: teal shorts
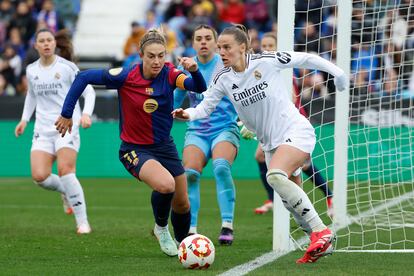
{"x": 206, "y": 143}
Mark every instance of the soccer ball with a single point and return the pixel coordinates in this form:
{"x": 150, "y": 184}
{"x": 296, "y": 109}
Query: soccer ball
{"x": 196, "y": 252}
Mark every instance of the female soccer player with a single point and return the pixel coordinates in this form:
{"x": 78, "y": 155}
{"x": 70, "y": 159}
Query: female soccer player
{"x": 147, "y": 150}
{"x": 49, "y": 80}
{"x": 268, "y": 43}
{"x": 216, "y": 137}
{"x": 254, "y": 85}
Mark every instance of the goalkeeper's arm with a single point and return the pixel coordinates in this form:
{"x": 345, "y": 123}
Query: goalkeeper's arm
{"x": 245, "y": 132}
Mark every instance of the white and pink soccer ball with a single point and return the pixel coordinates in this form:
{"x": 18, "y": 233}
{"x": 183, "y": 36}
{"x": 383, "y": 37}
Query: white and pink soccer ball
{"x": 196, "y": 252}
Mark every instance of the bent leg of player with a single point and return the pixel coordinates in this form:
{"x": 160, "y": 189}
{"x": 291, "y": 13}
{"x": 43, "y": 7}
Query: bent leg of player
{"x": 312, "y": 171}
{"x": 66, "y": 159}
{"x": 180, "y": 213}
{"x": 163, "y": 186}
{"x": 41, "y": 166}
{"x": 285, "y": 160}
{"x": 224, "y": 152}
{"x": 268, "y": 204}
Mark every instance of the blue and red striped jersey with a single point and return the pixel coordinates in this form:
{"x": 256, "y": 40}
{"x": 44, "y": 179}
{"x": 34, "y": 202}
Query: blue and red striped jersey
{"x": 145, "y": 105}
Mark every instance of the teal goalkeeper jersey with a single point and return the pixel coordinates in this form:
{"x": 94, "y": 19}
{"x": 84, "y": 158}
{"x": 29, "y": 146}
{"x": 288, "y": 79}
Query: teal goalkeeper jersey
{"x": 224, "y": 117}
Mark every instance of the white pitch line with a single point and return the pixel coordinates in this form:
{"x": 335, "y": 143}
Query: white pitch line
{"x": 272, "y": 256}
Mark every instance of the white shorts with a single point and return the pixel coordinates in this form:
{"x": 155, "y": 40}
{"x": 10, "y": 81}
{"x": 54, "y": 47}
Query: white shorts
{"x": 302, "y": 138}
{"x": 52, "y": 142}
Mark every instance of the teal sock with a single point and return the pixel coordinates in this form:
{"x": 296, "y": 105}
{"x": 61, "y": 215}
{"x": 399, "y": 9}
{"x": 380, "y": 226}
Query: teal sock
{"x": 193, "y": 181}
{"x": 226, "y": 192}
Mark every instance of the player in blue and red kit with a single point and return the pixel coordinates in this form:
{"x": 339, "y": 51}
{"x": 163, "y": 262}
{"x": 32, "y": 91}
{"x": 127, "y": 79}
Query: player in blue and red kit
{"x": 147, "y": 150}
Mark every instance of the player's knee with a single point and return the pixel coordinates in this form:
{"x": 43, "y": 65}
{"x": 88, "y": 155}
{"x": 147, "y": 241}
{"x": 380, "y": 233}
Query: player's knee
{"x": 39, "y": 177}
{"x": 259, "y": 156}
{"x": 192, "y": 176}
{"x": 276, "y": 177}
{"x": 165, "y": 186}
{"x": 64, "y": 169}
{"x": 222, "y": 167}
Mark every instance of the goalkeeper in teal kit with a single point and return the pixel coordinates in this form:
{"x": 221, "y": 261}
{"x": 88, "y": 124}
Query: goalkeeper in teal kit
{"x": 215, "y": 137}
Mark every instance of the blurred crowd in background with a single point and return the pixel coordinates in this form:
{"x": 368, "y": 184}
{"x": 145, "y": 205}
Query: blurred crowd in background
{"x": 382, "y": 37}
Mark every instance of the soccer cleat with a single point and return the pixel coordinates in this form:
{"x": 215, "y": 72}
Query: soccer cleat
{"x": 226, "y": 236}
{"x": 307, "y": 258}
{"x": 167, "y": 244}
{"x": 66, "y": 206}
{"x": 84, "y": 228}
{"x": 321, "y": 244}
{"x": 266, "y": 207}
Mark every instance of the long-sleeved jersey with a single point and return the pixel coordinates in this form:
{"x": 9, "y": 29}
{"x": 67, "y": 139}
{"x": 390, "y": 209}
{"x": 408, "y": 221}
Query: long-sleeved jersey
{"x": 145, "y": 105}
{"x": 223, "y": 117}
{"x": 259, "y": 94}
{"x": 48, "y": 87}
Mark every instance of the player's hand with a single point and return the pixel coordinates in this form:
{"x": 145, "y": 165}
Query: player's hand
{"x": 341, "y": 82}
{"x": 86, "y": 121}
{"x": 19, "y": 130}
{"x": 63, "y": 125}
{"x": 245, "y": 132}
{"x": 180, "y": 114}
{"x": 188, "y": 64}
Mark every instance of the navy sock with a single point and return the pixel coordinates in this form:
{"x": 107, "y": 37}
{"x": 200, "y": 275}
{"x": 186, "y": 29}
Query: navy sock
{"x": 161, "y": 206}
{"x": 181, "y": 224}
{"x": 318, "y": 179}
{"x": 263, "y": 171}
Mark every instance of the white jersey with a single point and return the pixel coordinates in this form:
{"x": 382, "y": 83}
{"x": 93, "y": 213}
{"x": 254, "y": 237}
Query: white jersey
{"x": 48, "y": 87}
{"x": 259, "y": 94}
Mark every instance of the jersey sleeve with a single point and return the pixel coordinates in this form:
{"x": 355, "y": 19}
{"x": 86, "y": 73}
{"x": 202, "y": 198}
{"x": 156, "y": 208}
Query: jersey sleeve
{"x": 29, "y": 104}
{"x": 195, "y": 83}
{"x": 284, "y": 60}
{"x": 211, "y": 99}
{"x": 89, "y": 95}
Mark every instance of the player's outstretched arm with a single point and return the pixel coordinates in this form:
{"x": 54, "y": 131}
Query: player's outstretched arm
{"x": 21, "y": 126}
{"x": 180, "y": 114}
{"x": 312, "y": 61}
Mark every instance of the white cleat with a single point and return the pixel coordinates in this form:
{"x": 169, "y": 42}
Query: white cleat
{"x": 84, "y": 228}
{"x": 167, "y": 244}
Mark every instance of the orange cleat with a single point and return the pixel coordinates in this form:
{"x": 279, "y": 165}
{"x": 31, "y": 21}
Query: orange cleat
{"x": 266, "y": 207}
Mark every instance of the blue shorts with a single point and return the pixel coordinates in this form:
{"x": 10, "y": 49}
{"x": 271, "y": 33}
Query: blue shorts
{"x": 134, "y": 156}
{"x": 207, "y": 143}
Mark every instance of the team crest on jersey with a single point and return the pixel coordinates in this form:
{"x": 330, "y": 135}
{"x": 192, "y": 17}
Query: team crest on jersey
{"x": 150, "y": 105}
{"x": 115, "y": 71}
{"x": 57, "y": 76}
{"x": 149, "y": 90}
{"x": 257, "y": 75}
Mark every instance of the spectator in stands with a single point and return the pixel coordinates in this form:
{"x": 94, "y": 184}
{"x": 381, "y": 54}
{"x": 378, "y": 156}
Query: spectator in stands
{"x": 68, "y": 10}
{"x": 133, "y": 58}
{"x": 24, "y": 21}
{"x": 196, "y": 18}
{"x": 6, "y": 14}
{"x": 308, "y": 39}
{"x": 15, "y": 40}
{"x": 3, "y": 85}
{"x": 49, "y": 15}
{"x": 132, "y": 42}
{"x": 10, "y": 65}
{"x": 231, "y": 11}
{"x": 257, "y": 15}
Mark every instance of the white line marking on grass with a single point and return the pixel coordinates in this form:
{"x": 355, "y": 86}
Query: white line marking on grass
{"x": 33, "y": 206}
{"x": 269, "y": 257}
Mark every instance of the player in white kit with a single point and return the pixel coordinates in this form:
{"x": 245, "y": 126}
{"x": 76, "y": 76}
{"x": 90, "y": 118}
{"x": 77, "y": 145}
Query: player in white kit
{"x": 254, "y": 85}
{"x": 50, "y": 78}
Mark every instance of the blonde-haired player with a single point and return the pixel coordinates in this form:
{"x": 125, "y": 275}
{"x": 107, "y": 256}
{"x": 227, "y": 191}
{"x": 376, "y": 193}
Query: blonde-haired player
{"x": 254, "y": 85}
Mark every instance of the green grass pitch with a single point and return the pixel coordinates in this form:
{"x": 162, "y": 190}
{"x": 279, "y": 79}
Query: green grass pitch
{"x": 37, "y": 238}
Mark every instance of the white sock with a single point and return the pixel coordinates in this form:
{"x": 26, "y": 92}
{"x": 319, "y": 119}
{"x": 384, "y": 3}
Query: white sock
{"x": 296, "y": 198}
{"x": 75, "y": 196}
{"x": 193, "y": 229}
{"x": 161, "y": 227}
{"x": 227, "y": 224}
{"x": 52, "y": 183}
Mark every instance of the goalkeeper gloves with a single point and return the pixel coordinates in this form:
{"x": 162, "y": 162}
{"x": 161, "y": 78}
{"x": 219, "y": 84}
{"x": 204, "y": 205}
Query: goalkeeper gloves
{"x": 245, "y": 132}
